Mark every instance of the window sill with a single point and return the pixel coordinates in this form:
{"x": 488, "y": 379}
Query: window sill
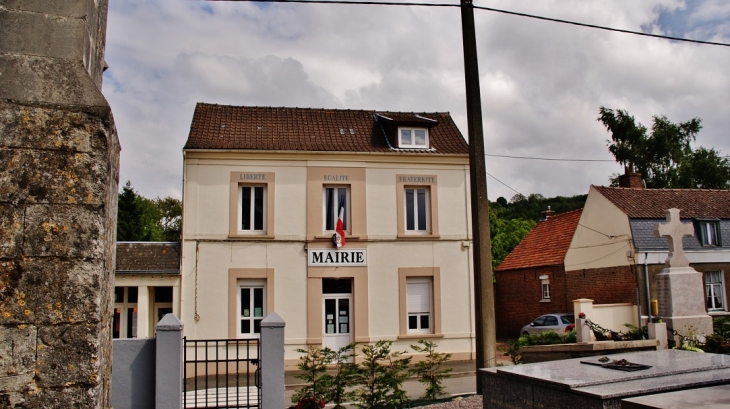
{"x": 719, "y": 312}
{"x": 420, "y": 336}
{"x": 251, "y": 236}
{"x": 418, "y": 236}
{"x": 347, "y": 238}
{"x": 545, "y": 300}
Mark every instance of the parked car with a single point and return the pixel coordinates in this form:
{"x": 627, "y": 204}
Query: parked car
{"x": 560, "y": 323}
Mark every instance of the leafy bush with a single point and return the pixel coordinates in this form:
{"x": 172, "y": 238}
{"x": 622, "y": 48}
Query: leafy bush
{"x": 343, "y": 372}
{"x": 313, "y": 365}
{"x": 380, "y": 377}
{"x": 636, "y": 333}
{"x": 545, "y": 338}
{"x": 429, "y": 370}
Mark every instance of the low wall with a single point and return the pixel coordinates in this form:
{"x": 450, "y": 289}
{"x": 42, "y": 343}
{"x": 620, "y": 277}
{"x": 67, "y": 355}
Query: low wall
{"x": 609, "y": 316}
{"x": 133, "y": 373}
{"x": 545, "y": 353}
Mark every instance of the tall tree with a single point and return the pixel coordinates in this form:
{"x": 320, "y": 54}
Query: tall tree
{"x": 171, "y": 217}
{"x": 138, "y": 218}
{"x": 664, "y": 155}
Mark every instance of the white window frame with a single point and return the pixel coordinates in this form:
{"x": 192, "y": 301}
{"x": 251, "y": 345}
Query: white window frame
{"x": 545, "y": 288}
{"x": 412, "y": 144}
{"x": 252, "y": 318}
{"x": 414, "y": 286}
{"x": 252, "y": 229}
{"x": 336, "y": 210}
{"x": 413, "y": 204}
{"x": 714, "y": 283}
{"x": 709, "y": 233}
{"x": 124, "y": 306}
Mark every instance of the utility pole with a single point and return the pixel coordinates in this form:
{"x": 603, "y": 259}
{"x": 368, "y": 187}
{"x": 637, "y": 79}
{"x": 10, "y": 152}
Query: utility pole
{"x": 486, "y": 336}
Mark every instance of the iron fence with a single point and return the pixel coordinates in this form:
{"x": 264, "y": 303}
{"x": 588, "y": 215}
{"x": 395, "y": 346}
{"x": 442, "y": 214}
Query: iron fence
{"x": 222, "y": 373}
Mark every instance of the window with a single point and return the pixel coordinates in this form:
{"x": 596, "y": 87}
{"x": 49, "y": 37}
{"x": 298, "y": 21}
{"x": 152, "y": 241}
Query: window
{"x": 413, "y": 138}
{"x": 714, "y": 293}
{"x": 545, "y": 288}
{"x": 251, "y": 214}
{"x": 417, "y": 209}
{"x": 125, "y": 312}
{"x": 419, "y": 301}
{"x": 250, "y": 297}
{"x": 708, "y": 233}
{"x": 334, "y": 196}
{"x": 251, "y": 301}
{"x": 252, "y": 200}
{"x": 417, "y": 206}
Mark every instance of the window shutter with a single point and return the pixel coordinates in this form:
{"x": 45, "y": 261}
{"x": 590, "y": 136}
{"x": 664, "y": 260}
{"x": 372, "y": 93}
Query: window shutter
{"x": 419, "y": 297}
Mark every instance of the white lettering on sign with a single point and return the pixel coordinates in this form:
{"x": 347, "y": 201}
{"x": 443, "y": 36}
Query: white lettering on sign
{"x": 416, "y": 179}
{"x": 252, "y": 176}
{"x": 329, "y": 257}
{"x": 336, "y": 178}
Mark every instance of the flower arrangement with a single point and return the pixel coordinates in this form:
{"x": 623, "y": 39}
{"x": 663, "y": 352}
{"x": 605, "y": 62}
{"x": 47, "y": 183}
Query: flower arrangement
{"x": 581, "y": 315}
{"x": 310, "y": 403}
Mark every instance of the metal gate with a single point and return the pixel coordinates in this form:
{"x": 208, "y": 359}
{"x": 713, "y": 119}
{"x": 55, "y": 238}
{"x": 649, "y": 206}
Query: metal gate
{"x": 222, "y": 373}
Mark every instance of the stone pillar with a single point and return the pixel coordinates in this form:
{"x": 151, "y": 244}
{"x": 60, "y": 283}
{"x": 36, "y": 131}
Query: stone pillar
{"x": 143, "y": 312}
{"x": 272, "y": 362}
{"x": 583, "y": 332}
{"x": 169, "y": 363}
{"x": 659, "y": 332}
{"x": 59, "y": 156}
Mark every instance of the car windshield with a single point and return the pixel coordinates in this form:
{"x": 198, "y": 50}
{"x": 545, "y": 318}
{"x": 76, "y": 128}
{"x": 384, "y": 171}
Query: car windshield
{"x": 568, "y": 319}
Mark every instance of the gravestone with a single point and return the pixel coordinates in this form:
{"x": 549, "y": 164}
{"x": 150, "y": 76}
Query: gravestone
{"x": 680, "y": 287}
{"x": 59, "y": 156}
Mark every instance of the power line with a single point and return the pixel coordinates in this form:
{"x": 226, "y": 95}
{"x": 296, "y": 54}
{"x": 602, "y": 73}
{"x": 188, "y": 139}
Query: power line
{"x": 551, "y": 159}
{"x": 504, "y": 183}
{"x": 512, "y": 13}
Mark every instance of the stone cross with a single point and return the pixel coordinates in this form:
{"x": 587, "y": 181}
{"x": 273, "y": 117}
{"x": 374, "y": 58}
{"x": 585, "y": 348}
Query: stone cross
{"x": 674, "y": 230}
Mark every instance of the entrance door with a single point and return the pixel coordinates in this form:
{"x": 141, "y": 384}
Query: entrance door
{"x": 337, "y": 309}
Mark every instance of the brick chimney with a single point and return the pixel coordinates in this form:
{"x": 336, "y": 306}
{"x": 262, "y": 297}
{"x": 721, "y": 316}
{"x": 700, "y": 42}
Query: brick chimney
{"x": 630, "y": 178}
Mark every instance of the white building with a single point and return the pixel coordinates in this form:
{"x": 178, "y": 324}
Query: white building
{"x": 261, "y": 193}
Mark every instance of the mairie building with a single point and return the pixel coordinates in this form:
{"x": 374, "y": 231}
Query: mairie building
{"x": 264, "y": 189}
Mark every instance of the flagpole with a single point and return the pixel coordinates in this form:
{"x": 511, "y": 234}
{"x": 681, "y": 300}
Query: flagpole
{"x": 486, "y": 352}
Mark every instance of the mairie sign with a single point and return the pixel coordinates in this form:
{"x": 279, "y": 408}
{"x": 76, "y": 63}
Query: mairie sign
{"x": 330, "y": 257}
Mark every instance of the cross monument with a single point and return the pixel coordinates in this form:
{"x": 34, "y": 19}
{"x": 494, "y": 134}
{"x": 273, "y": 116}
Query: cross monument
{"x": 674, "y": 230}
{"x": 680, "y": 288}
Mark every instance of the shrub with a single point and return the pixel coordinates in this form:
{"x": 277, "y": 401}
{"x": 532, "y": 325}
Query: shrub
{"x": 429, "y": 370}
{"x": 313, "y": 365}
{"x": 545, "y": 338}
{"x": 344, "y": 370}
{"x": 380, "y": 377}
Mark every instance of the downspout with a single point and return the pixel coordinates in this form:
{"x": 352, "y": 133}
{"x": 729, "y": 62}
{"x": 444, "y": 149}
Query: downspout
{"x": 646, "y": 281}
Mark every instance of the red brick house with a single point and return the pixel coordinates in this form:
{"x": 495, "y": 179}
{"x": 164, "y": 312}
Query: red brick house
{"x": 533, "y": 279}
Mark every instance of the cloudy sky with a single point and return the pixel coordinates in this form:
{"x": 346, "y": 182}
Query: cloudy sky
{"x": 542, "y": 83}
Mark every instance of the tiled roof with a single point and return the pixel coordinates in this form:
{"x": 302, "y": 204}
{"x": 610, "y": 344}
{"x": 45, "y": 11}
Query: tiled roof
{"x": 653, "y": 203}
{"x": 148, "y": 257}
{"x": 310, "y": 129}
{"x": 546, "y": 244}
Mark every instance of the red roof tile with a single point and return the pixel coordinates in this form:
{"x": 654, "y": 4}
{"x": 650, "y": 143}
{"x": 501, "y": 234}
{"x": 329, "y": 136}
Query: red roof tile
{"x": 310, "y": 129}
{"x": 653, "y": 203}
{"x": 151, "y": 257}
{"x": 546, "y": 244}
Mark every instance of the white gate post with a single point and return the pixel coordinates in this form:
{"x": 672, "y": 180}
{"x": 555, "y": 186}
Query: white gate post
{"x": 169, "y": 363}
{"x": 272, "y": 362}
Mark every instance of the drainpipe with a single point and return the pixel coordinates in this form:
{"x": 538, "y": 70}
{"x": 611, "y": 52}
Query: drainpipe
{"x": 648, "y": 293}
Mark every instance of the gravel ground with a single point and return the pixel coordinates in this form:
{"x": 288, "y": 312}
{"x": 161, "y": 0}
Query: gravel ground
{"x": 470, "y": 402}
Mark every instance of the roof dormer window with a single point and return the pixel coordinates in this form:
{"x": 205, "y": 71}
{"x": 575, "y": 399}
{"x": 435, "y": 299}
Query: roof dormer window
{"x": 413, "y": 138}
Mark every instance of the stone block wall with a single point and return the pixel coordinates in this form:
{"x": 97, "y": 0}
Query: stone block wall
{"x": 59, "y": 156}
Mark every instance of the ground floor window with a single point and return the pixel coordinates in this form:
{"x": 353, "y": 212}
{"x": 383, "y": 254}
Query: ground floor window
{"x": 252, "y": 307}
{"x": 419, "y": 300}
{"x": 714, "y": 294}
{"x": 124, "y": 323}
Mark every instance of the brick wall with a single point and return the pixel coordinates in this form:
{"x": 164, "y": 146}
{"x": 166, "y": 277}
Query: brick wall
{"x": 518, "y": 292}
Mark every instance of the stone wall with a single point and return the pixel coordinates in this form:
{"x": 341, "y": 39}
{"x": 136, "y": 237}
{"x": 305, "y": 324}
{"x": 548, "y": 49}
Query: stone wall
{"x": 59, "y": 153}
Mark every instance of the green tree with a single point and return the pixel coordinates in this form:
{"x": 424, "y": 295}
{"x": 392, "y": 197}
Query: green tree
{"x": 313, "y": 367}
{"x": 429, "y": 370}
{"x": 380, "y": 377}
{"x": 506, "y": 234}
{"x": 664, "y": 155}
{"x": 143, "y": 219}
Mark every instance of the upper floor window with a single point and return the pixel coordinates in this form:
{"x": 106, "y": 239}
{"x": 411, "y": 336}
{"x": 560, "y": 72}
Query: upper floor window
{"x": 251, "y": 206}
{"x": 336, "y": 197}
{"x": 413, "y": 138}
{"x": 708, "y": 232}
{"x": 417, "y": 204}
{"x": 252, "y": 200}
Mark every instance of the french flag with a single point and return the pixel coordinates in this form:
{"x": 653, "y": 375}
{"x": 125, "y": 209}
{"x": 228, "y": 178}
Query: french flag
{"x": 339, "y": 237}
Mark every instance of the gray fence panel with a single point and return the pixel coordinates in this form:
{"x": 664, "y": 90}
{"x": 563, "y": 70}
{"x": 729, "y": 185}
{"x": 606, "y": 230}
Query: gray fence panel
{"x": 133, "y": 373}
